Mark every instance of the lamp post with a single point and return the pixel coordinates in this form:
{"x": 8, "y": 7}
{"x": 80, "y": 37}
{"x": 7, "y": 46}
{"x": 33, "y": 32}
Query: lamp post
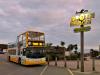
{"x": 82, "y": 43}
{"x": 81, "y": 19}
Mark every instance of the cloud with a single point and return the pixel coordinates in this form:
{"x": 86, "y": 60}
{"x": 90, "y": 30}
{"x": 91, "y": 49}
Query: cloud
{"x": 3, "y": 41}
{"x": 2, "y": 13}
{"x": 49, "y": 16}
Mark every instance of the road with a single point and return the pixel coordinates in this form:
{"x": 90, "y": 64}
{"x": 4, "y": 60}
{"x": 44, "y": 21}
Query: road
{"x": 9, "y": 68}
{"x": 14, "y": 69}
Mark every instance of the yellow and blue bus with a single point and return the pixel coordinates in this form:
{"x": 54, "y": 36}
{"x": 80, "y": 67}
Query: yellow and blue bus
{"x": 28, "y": 49}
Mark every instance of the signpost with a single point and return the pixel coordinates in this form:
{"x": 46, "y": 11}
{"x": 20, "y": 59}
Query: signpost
{"x": 81, "y": 19}
{"x": 84, "y": 29}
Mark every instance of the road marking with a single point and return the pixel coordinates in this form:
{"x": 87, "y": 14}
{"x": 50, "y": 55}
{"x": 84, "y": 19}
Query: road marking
{"x": 70, "y": 72}
{"x": 43, "y": 70}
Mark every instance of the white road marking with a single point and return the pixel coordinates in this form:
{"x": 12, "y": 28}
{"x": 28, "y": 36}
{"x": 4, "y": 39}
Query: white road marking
{"x": 70, "y": 72}
{"x": 43, "y": 70}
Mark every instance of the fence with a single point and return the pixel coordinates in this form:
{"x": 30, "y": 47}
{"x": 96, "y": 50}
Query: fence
{"x": 72, "y": 64}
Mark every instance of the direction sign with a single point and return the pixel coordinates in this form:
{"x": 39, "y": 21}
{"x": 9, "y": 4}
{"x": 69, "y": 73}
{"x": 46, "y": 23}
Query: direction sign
{"x": 84, "y": 29}
{"x": 82, "y": 19}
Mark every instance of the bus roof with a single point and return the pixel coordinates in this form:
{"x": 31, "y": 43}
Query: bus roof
{"x": 34, "y": 32}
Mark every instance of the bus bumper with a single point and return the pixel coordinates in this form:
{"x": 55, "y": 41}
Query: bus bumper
{"x": 35, "y": 62}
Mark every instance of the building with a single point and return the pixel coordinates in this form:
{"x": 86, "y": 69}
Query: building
{"x": 3, "y": 47}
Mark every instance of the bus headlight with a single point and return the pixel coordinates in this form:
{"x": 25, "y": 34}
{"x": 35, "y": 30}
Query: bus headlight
{"x": 43, "y": 59}
{"x": 29, "y": 43}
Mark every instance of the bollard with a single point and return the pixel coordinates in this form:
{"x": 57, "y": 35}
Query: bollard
{"x": 65, "y": 65}
{"x": 93, "y": 63}
{"x": 55, "y": 61}
{"x": 48, "y": 60}
{"x": 77, "y": 63}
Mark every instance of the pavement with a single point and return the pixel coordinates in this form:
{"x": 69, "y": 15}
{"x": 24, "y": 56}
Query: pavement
{"x": 72, "y": 65}
{"x": 85, "y": 73}
{"x": 51, "y": 70}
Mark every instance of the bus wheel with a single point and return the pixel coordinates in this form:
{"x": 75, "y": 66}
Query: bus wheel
{"x": 9, "y": 58}
{"x": 19, "y": 61}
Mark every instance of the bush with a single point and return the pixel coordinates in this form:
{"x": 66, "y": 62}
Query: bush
{"x": 52, "y": 56}
{"x": 72, "y": 57}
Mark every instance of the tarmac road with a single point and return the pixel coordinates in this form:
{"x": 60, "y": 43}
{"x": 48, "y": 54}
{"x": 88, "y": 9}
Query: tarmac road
{"x": 9, "y": 68}
{"x": 15, "y": 69}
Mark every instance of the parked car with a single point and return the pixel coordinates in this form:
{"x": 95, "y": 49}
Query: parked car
{"x": 1, "y": 52}
{"x": 97, "y": 57}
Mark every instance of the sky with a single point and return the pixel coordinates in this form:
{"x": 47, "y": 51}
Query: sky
{"x": 49, "y": 16}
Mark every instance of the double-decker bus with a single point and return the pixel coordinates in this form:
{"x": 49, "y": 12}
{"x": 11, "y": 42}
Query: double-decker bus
{"x": 28, "y": 49}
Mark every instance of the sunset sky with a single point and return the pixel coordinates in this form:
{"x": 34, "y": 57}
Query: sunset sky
{"x": 49, "y": 16}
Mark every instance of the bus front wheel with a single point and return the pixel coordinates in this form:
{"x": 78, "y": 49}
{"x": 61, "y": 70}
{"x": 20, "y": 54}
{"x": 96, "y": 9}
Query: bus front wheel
{"x": 9, "y": 58}
{"x": 19, "y": 61}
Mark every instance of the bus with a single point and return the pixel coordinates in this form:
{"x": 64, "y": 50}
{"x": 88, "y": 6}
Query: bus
{"x": 28, "y": 49}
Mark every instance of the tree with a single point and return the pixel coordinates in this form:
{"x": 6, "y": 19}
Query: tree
{"x": 75, "y": 47}
{"x": 48, "y": 46}
{"x": 70, "y": 47}
{"x": 57, "y": 47}
{"x": 47, "y": 50}
{"x": 62, "y": 43}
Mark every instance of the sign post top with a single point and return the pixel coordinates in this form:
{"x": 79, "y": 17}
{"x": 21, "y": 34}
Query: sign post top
{"x": 82, "y": 19}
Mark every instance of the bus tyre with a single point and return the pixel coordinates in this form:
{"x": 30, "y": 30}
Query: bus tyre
{"x": 9, "y": 58}
{"x": 19, "y": 61}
